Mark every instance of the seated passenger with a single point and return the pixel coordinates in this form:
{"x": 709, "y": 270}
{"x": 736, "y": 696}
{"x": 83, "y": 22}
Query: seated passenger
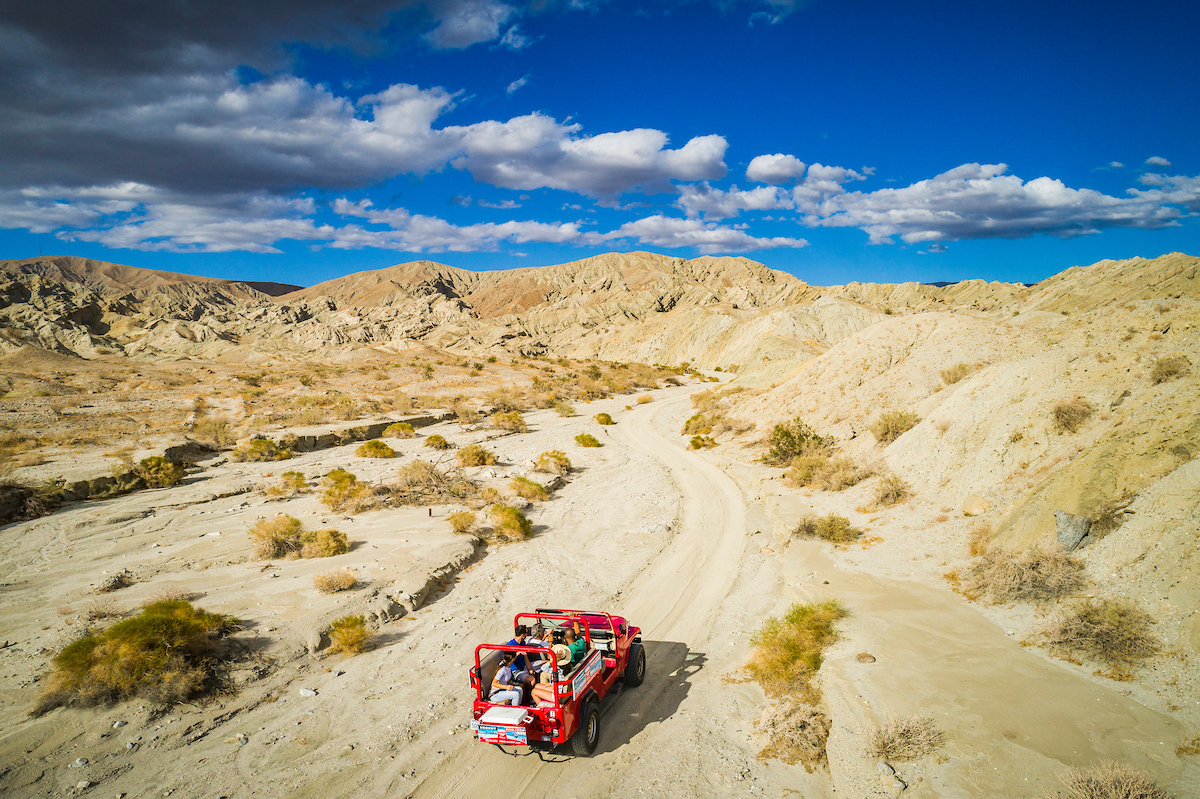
{"x": 577, "y": 645}
{"x": 520, "y": 662}
{"x": 506, "y": 689}
{"x": 543, "y": 692}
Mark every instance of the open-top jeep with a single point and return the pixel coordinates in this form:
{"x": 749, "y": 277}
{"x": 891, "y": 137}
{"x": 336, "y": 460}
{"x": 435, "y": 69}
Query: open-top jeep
{"x": 613, "y": 657}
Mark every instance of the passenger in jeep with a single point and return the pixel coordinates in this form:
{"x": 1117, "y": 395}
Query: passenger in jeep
{"x": 543, "y": 692}
{"x": 506, "y": 689}
{"x": 521, "y": 671}
{"x": 576, "y": 644}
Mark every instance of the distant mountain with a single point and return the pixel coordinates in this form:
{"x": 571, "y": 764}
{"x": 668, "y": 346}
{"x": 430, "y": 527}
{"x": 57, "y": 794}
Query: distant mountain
{"x": 108, "y": 278}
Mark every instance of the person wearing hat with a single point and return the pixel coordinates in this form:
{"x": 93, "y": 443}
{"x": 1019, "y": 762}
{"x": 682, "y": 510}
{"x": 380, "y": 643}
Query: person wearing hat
{"x": 543, "y": 692}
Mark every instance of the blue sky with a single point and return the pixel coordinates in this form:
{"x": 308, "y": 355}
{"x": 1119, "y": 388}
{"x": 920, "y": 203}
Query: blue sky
{"x": 287, "y": 140}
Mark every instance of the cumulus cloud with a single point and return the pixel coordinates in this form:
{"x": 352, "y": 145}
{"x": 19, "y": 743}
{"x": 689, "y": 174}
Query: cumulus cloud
{"x": 1158, "y": 160}
{"x": 713, "y": 203}
{"x": 707, "y": 237}
{"x": 936, "y": 247}
{"x": 777, "y": 168}
{"x": 517, "y": 84}
{"x": 409, "y": 232}
{"x": 463, "y": 24}
{"x": 513, "y": 39}
{"x": 975, "y": 201}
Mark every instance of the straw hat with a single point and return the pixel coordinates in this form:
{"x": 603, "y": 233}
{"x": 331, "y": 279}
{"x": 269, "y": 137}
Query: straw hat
{"x": 562, "y": 652}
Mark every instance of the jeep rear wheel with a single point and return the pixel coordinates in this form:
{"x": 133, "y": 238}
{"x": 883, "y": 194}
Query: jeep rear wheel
{"x": 583, "y": 742}
{"x": 635, "y": 669}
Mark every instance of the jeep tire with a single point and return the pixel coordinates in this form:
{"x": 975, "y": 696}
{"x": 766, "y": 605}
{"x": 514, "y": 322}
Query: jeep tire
{"x": 635, "y": 668}
{"x": 583, "y": 742}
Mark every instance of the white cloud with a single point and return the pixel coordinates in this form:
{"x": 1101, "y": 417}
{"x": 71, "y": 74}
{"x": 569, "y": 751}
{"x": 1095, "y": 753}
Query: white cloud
{"x": 718, "y": 204}
{"x": 517, "y": 84}
{"x": 707, "y": 237}
{"x": 1116, "y": 165}
{"x": 463, "y": 24}
{"x": 980, "y": 201}
{"x": 777, "y": 168}
{"x": 1158, "y": 160}
{"x": 937, "y": 246}
{"x": 506, "y": 204}
{"x": 1172, "y": 190}
{"x": 513, "y": 39}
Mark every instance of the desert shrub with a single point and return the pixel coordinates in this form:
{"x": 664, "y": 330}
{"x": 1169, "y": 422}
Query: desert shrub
{"x": 564, "y": 408}
{"x": 215, "y": 430}
{"x": 702, "y": 442}
{"x": 891, "y": 490}
{"x": 374, "y": 449}
{"x": 290, "y": 484}
{"x": 348, "y": 635}
{"x": 261, "y": 449}
{"x": 587, "y": 440}
{"x": 528, "y": 489}
{"x": 1168, "y": 367}
{"x": 436, "y": 441}
{"x": 400, "y": 430}
{"x": 323, "y": 544}
{"x": 164, "y": 655}
{"x": 834, "y": 528}
{"x": 342, "y": 491}
{"x": 1109, "y": 780}
{"x": 1110, "y": 631}
{"x": 796, "y": 732}
{"x": 904, "y": 739}
{"x": 839, "y": 474}
{"x": 476, "y": 455}
{"x": 422, "y": 483}
{"x": 158, "y": 472}
{"x": 505, "y": 399}
{"x": 788, "y": 650}
{"x": 335, "y": 580}
{"x": 603, "y": 418}
{"x": 953, "y": 374}
{"x": 645, "y": 398}
{"x": 701, "y": 423}
{"x": 462, "y": 521}
{"x": 1038, "y": 575}
{"x": 553, "y": 461}
{"x": 1107, "y": 516}
{"x": 102, "y": 607}
{"x": 512, "y": 421}
{"x": 788, "y": 440}
{"x": 509, "y": 523}
{"x": 892, "y": 424}
{"x": 1069, "y": 415}
{"x": 277, "y": 536}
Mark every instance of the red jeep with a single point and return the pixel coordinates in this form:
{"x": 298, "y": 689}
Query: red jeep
{"x": 613, "y": 656}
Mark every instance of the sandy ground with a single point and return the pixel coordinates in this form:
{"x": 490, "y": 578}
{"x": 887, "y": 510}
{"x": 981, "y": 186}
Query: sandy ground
{"x": 685, "y": 544}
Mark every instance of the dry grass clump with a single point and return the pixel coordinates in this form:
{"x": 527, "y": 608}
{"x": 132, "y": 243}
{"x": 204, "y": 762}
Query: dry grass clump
{"x": 587, "y": 440}
{"x": 702, "y": 442}
{"x": 335, "y": 580}
{"x": 953, "y": 374}
{"x": 1108, "y": 515}
{"x": 343, "y": 492}
{"x": 891, "y": 490}
{"x": 553, "y": 461}
{"x": 793, "y": 439}
{"x": 1110, "y": 631}
{"x": 165, "y": 654}
{"x": 290, "y": 484}
{"x": 512, "y": 421}
{"x": 509, "y": 523}
{"x": 528, "y": 489}
{"x": 276, "y": 537}
{"x": 400, "y": 430}
{"x": 1039, "y": 575}
{"x": 1168, "y": 367}
{"x": 323, "y": 544}
{"x": 816, "y": 467}
{"x": 788, "y": 651}
{"x": 261, "y": 449}
{"x": 833, "y": 528}
{"x": 436, "y": 441}
{"x": 158, "y": 472}
{"x": 476, "y": 455}
{"x": 422, "y": 483}
{"x": 904, "y": 739}
{"x": 1069, "y": 415}
{"x": 215, "y": 430}
{"x": 563, "y": 408}
{"x": 797, "y": 733}
{"x": 102, "y": 607}
{"x": 462, "y": 522}
{"x": 892, "y": 424}
{"x": 645, "y": 398}
{"x": 1189, "y": 747}
{"x": 348, "y": 635}
{"x": 374, "y": 449}
{"x": 603, "y": 418}
{"x": 1109, "y": 780}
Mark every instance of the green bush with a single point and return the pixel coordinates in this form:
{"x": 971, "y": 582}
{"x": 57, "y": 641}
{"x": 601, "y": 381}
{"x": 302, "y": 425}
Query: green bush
{"x": 277, "y": 536}
{"x": 261, "y": 449}
{"x": 603, "y": 418}
{"x": 476, "y": 455}
{"x": 701, "y": 442}
{"x": 158, "y": 472}
{"x": 587, "y": 440}
{"x": 436, "y": 441}
{"x": 564, "y": 408}
{"x": 323, "y": 544}
{"x": 163, "y": 655}
{"x": 892, "y": 424}
{"x": 833, "y": 528}
{"x": 400, "y": 430}
{"x": 375, "y": 449}
{"x": 509, "y": 523}
{"x": 512, "y": 421}
{"x": 348, "y": 635}
{"x": 462, "y": 521}
{"x": 527, "y": 489}
{"x": 788, "y": 651}
{"x": 342, "y": 491}
{"x": 789, "y": 440}
{"x": 553, "y": 461}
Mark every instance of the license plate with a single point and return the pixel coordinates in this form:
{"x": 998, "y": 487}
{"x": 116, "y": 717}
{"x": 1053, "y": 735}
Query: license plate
{"x": 496, "y": 734}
